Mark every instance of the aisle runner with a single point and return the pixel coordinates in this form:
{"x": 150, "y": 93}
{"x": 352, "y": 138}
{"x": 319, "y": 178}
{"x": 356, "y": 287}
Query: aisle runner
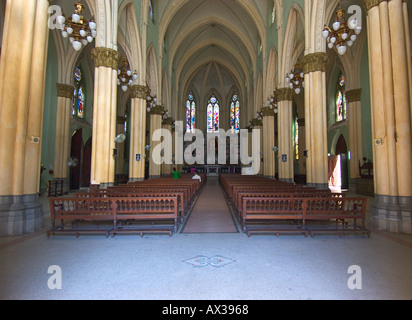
{"x": 211, "y": 213}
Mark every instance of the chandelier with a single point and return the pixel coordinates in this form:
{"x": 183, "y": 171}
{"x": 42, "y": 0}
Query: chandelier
{"x": 343, "y": 34}
{"x": 79, "y": 31}
{"x": 150, "y": 101}
{"x": 296, "y": 79}
{"x": 125, "y": 77}
{"x": 272, "y": 102}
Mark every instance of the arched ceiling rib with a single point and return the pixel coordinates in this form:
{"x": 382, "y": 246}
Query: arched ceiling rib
{"x": 228, "y": 33}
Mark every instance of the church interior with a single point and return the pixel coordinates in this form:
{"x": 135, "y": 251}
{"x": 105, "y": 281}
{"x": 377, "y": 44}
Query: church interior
{"x": 318, "y": 93}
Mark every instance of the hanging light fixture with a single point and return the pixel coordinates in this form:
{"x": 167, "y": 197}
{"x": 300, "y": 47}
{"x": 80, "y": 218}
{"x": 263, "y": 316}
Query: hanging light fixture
{"x": 150, "y": 101}
{"x": 296, "y": 79}
{"x": 343, "y": 34}
{"x": 125, "y": 77}
{"x": 79, "y": 31}
{"x": 272, "y": 102}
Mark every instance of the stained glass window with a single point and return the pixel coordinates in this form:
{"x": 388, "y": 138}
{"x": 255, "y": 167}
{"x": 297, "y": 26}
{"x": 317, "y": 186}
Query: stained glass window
{"x": 190, "y": 113}
{"x": 79, "y": 96}
{"x": 297, "y": 139}
{"x": 234, "y": 113}
{"x": 213, "y": 115}
{"x": 341, "y": 99}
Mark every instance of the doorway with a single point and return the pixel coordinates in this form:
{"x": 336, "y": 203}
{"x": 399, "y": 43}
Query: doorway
{"x": 338, "y": 166}
{"x": 76, "y": 154}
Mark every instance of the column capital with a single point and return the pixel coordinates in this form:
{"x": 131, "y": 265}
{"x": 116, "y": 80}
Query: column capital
{"x": 256, "y": 122}
{"x": 106, "y": 57}
{"x": 268, "y": 112}
{"x": 157, "y": 110}
{"x": 140, "y": 92}
{"x": 368, "y": 4}
{"x": 353, "y": 95}
{"x": 65, "y": 90}
{"x": 284, "y": 94}
{"x": 315, "y": 62}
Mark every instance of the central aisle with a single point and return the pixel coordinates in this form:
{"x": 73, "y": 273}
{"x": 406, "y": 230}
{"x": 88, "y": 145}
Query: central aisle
{"x": 210, "y": 213}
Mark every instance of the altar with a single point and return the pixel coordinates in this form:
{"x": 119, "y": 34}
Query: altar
{"x": 212, "y": 169}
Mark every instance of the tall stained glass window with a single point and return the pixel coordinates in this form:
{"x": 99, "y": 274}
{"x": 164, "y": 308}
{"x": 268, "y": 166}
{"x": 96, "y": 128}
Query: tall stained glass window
{"x": 340, "y": 99}
{"x": 213, "y": 115}
{"x": 234, "y": 113}
{"x": 297, "y": 138}
{"x": 190, "y": 113}
{"x": 79, "y": 96}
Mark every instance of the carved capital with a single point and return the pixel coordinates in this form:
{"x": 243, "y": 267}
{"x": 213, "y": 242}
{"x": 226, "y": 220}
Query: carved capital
{"x": 315, "y": 62}
{"x": 268, "y": 112}
{"x": 139, "y": 92}
{"x": 65, "y": 90}
{"x": 284, "y": 94}
{"x": 353, "y": 95}
{"x": 256, "y": 122}
{"x": 157, "y": 110}
{"x": 105, "y": 57}
{"x": 368, "y": 4}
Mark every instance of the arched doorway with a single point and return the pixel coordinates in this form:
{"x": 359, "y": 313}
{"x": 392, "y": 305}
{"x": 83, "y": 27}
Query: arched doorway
{"x": 87, "y": 163}
{"x": 75, "y": 161}
{"x": 338, "y": 166}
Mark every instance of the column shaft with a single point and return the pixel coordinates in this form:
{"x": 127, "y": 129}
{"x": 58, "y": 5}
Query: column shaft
{"x": 22, "y": 80}
{"x": 104, "y": 116}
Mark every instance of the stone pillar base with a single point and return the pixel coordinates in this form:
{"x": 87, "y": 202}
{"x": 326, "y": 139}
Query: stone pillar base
{"x": 20, "y": 215}
{"x": 136, "y": 179}
{"x": 391, "y": 213}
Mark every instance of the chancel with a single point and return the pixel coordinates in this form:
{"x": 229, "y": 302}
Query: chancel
{"x": 295, "y": 114}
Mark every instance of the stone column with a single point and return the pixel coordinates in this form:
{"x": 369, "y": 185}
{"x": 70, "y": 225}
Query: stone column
{"x": 389, "y": 65}
{"x": 314, "y": 65}
{"x": 268, "y": 142}
{"x": 285, "y": 125}
{"x": 155, "y": 170}
{"x": 22, "y": 81}
{"x": 138, "y": 133}
{"x": 167, "y": 125}
{"x": 353, "y": 99}
{"x": 62, "y": 148}
{"x": 258, "y": 125}
{"x": 104, "y": 115}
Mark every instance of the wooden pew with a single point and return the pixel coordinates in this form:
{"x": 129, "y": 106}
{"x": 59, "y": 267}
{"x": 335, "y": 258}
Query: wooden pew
{"x": 144, "y": 213}
{"x": 265, "y": 215}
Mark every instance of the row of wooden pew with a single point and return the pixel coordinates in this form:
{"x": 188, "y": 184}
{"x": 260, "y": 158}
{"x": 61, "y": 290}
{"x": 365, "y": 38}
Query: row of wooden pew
{"x": 265, "y": 205}
{"x": 150, "y": 206}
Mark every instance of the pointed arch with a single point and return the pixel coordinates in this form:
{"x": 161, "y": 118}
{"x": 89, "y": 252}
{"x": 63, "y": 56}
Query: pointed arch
{"x": 151, "y": 71}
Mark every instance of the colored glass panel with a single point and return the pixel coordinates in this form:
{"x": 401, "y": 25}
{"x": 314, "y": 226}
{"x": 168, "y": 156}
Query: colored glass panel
{"x": 234, "y": 113}
{"x": 213, "y": 115}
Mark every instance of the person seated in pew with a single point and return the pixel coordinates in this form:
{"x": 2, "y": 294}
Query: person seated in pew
{"x": 176, "y": 174}
{"x": 196, "y": 176}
